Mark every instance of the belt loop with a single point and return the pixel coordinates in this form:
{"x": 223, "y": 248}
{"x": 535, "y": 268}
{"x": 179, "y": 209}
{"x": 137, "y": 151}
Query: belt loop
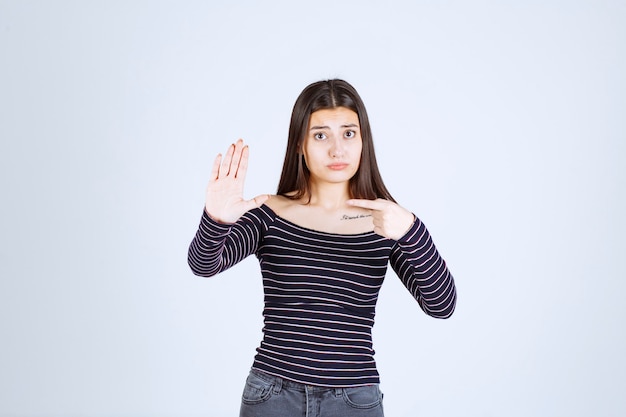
{"x": 278, "y": 385}
{"x": 338, "y": 392}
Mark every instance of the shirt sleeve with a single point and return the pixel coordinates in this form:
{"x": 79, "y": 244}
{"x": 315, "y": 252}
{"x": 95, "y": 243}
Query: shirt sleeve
{"x": 218, "y": 246}
{"x": 423, "y": 271}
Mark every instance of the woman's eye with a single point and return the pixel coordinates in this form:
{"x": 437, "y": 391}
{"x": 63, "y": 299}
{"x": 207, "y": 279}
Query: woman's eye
{"x": 320, "y": 136}
{"x": 350, "y": 134}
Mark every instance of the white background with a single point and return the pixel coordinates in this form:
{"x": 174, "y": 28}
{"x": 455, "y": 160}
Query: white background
{"x": 500, "y": 124}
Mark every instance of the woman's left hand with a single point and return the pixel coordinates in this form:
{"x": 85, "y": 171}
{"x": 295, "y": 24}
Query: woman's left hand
{"x": 390, "y": 220}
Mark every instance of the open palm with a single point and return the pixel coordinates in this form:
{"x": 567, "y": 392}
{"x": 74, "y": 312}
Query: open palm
{"x": 224, "y": 195}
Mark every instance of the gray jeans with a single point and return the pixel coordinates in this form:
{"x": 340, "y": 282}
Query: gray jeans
{"x": 269, "y": 396}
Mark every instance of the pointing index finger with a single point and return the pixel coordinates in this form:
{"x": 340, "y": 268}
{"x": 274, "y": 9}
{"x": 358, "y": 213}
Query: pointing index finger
{"x": 367, "y": 204}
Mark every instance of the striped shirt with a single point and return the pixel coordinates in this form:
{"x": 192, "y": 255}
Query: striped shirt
{"x": 320, "y": 290}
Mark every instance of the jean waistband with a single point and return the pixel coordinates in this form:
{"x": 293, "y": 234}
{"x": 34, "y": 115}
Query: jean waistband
{"x": 286, "y": 383}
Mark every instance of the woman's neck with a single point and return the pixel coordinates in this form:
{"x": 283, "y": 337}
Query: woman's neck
{"x": 328, "y": 196}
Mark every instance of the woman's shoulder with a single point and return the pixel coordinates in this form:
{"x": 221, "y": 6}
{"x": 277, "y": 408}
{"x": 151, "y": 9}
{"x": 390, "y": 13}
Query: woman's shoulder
{"x": 280, "y": 204}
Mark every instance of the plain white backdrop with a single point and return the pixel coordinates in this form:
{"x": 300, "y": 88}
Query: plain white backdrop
{"x": 501, "y": 124}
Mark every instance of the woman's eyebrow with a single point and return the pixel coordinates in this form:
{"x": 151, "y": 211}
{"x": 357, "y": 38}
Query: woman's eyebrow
{"x": 326, "y": 127}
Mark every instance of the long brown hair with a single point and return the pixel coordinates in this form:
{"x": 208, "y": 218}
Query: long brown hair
{"x": 329, "y": 94}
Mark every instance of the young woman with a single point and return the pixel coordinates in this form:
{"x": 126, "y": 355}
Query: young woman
{"x": 323, "y": 243}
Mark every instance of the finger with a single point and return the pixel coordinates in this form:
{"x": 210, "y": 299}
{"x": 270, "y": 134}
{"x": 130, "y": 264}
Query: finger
{"x": 226, "y": 160}
{"x": 379, "y": 231}
{"x": 260, "y": 199}
{"x": 256, "y": 201}
{"x": 215, "y": 171}
{"x": 367, "y": 204}
{"x": 237, "y": 151}
{"x": 377, "y": 221}
{"x": 243, "y": 163}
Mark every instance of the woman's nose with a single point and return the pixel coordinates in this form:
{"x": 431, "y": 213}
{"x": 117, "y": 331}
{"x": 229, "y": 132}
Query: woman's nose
{"x": 336, "y": 149}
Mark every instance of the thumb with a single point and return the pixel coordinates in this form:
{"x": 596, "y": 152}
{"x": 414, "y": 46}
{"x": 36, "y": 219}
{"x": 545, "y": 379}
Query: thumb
{"x": 259, "y": 200}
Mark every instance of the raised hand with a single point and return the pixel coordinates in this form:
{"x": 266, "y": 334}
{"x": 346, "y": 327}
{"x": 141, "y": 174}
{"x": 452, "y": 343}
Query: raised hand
{"x": 224, "y": 194}
{"x": 390, "y": 220}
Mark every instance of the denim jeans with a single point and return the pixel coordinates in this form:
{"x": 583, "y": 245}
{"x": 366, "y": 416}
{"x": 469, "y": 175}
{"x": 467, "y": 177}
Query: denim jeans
{"x": 269, "y": 396}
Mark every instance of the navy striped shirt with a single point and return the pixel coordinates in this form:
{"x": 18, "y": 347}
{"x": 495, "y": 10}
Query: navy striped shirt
{"x": 321, "y": 290}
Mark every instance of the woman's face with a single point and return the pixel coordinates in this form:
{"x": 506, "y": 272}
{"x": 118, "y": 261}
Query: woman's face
{"x": 332, "y": 145}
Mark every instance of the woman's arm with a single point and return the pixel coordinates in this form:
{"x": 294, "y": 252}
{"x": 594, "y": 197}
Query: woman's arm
{"x": 229, "y": 230}
{"x": 217, "y": 246}
{"x": 414, "y": 257}
{"x": 423, "y": 271}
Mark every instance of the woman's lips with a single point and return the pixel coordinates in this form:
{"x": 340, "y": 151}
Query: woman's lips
{"x": 337, "y": 166}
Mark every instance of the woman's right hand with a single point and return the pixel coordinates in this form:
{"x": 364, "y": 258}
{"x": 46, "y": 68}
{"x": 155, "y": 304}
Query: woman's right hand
{"x": 224, "y": 194}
